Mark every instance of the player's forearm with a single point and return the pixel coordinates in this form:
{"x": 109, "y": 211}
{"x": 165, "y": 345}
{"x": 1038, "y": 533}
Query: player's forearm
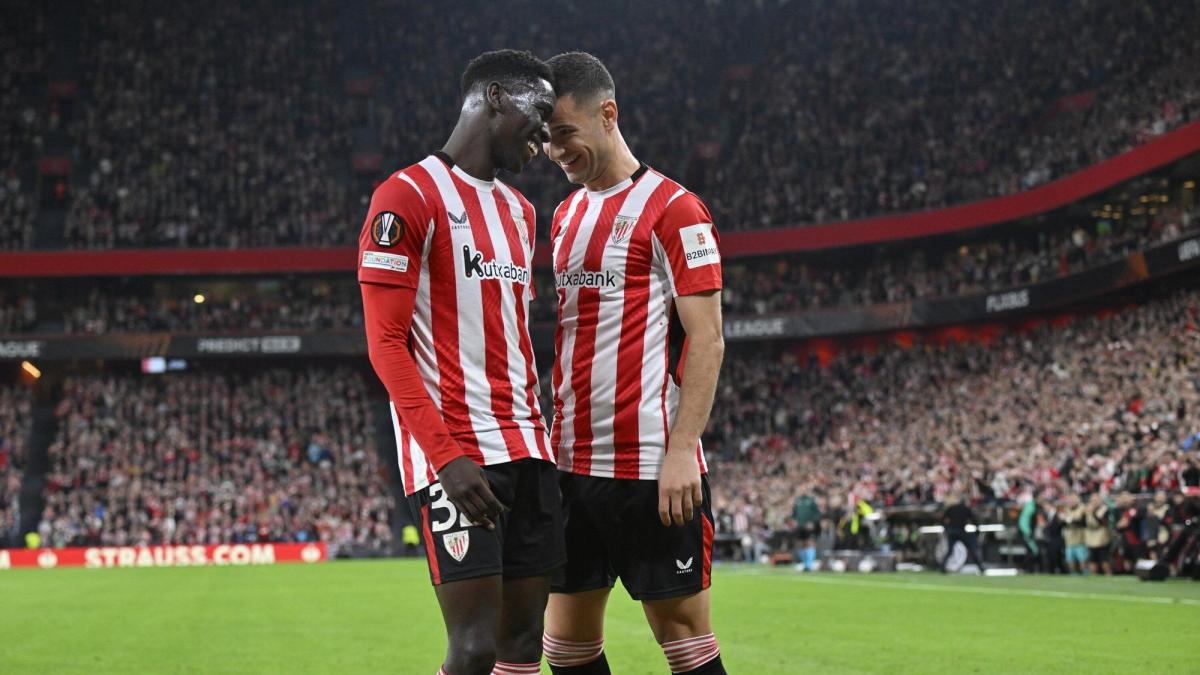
{"x": 387, "y": 314}
{"x": 413, "y": 405}
{"x": 697, "y": 390}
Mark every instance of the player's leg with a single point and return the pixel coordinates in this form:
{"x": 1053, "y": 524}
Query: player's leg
{"x": 519, "y": 635}
{"x": 533, "y": 550}
{"x": 668, "y": 569}
{"x": 471, "y": 610}
{"x": 574, "y": 638}
{"x": 465, "y": 565}
{"x": 683, "y": 628}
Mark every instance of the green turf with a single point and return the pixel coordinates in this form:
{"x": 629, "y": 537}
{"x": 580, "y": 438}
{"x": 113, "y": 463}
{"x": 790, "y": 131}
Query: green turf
{"x": 380, "y": 617}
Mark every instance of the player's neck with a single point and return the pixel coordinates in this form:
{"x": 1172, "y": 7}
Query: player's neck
{"x": 622, "y": 166}
{"x": 468, "y": 146}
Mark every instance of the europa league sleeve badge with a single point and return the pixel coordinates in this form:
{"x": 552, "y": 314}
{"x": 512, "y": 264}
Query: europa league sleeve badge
{"x": 387, "y": 229}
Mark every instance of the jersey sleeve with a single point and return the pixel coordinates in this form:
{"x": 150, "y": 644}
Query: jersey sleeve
{"x": 690, "y": 248}
{"x": 391, "y": 245}
{"x": 387, "y": 314}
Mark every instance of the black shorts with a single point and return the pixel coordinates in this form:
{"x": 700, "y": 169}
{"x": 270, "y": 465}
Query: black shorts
{"x": 613, "y": 531}
{"x": 527, "y": 542}
{"x": 1098, "y": 554}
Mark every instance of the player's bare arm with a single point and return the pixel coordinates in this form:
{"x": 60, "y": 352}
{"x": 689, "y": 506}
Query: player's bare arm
{"x": 679, "y": 492}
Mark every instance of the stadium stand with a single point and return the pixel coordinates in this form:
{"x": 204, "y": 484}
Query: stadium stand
{"x": 23, "y": 51}
{"x": 149, "y": 132}
{"x": 14, "y": 428}
{"x": 282, "y": 455}
{"x": 1104, "y": 403}
{"x": 1143, "y": 213}
{"x": 172, "y": 140}
{"x": 910, "y": 107}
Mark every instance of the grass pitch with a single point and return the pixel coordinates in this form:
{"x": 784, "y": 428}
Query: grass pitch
{"x": 381, "y": 617}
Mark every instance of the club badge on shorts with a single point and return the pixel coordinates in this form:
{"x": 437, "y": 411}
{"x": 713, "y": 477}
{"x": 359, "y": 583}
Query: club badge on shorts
{"x": 387, "y": 229}
{"x": 457, "y": 544}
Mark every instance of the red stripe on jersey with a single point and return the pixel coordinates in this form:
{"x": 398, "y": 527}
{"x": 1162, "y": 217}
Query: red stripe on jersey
{"x": 560, "y": 265}
{"x": 707, "y": 543}
{"x": 444, "y": 315}
{"x": 525, "y": 345}
{"x": 495, "y": 345}
{"x": 626, "y": 431}
{"x": 583, "y": 358}
{"x": 430, "y": 551}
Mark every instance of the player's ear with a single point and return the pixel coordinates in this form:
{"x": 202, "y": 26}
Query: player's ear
{"x": 608, "y": 114}
{"x": 494, "y": 95}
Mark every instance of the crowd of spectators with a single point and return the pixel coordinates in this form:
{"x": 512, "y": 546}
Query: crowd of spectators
{"x": 858, "y": 110}
{"x": 200, "y": 306}
{"x": 188, "y": 142}
{"x": 1107, "y": 404}
{"x": 755, "y": 286}
{"x": 294, "y": 307}
{"x": 15, "y": 407}
{"x": 776, "y": 113}
{"x": 206, "y": 458}
{"x": 23, "y": 52}
{"x": 944, "y": 269}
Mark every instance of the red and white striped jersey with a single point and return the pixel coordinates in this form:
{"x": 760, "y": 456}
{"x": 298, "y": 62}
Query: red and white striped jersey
{"x": 621, "y": 256}
{"x": 466, "y": 246}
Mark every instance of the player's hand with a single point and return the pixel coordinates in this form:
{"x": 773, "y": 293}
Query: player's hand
{"x": 467, "y": 488}
{"x": 679, "y": 493}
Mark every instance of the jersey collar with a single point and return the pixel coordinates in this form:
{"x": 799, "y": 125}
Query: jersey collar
{"x": 466, "y": 177}
{"x": 608, "y": 192}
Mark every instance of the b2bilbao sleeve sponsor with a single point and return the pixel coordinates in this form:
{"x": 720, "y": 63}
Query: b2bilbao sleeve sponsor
{"x": 689, "y": 245}
{"x": 392, "y": 242}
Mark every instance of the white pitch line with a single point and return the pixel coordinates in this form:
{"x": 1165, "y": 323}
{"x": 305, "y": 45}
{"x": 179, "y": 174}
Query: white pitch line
{"x": 986, "y": 591}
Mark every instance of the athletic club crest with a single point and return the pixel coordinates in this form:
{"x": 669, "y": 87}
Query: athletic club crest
{"x": 622, "y": 226}
{"x": 457, "y": 544}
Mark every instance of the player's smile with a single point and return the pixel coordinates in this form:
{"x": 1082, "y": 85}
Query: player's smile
{"x": 531, "y": 149}
{"x": 535, "y": 107}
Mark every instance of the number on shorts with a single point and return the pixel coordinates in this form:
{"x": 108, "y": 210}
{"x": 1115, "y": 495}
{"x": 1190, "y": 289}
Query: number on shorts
{"x": 443, "y": 503}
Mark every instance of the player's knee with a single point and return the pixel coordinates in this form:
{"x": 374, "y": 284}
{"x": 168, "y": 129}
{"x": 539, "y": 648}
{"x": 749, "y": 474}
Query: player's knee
{"x": 471, "y": 655}
{"x": 523, "y": 645}
{"x": 670, "y": 629}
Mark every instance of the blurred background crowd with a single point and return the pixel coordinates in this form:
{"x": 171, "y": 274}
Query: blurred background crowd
{"x": 167, "y": 137}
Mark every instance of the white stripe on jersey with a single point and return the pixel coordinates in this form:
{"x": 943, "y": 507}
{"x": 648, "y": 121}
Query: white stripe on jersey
{"x": 472, "y": 338}
{"x": 516, "y": 360}
{"x": 566, "y": 392}
{"x": 608, "y": 336}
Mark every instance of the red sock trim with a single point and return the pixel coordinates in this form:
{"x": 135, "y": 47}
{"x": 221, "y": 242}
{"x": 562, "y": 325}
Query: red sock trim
{"x": 505, "y": 668}
{"x": 691, "y": 653}
{"x": 568, "y": 653}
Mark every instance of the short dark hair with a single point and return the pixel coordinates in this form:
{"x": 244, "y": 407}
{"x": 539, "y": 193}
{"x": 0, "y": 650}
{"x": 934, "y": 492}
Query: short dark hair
{"x": 581, "y": 75}
{"x": 506, "y": 66}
